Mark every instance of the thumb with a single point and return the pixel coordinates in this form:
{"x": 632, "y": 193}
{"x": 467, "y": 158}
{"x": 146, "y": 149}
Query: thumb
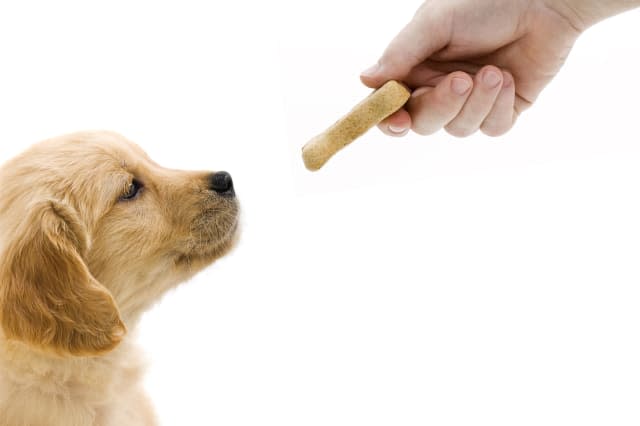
{"x": 428, "y": 32}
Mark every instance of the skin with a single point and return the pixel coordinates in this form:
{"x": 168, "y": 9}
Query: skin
{"x": 476, "y": 65}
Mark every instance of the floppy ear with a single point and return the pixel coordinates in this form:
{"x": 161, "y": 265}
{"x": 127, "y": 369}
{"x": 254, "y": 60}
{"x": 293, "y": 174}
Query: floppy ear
{"x": 48, "y": 297}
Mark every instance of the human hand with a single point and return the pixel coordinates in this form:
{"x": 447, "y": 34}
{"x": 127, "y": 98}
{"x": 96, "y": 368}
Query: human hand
{"x": 474, "y": 65}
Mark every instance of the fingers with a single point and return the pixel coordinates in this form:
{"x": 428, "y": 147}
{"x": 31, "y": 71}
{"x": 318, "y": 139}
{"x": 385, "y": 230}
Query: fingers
{"x": 487, "y": 86}
{"x": 426, "y": 33}
{"x": 502, "y": 115}
{"x": 397, "y": 124}
{"x": 431, "y": 108}
{"x": 460, "y": 104}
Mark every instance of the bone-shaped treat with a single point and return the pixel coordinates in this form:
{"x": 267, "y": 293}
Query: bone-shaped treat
{"x": 372, "y": 110}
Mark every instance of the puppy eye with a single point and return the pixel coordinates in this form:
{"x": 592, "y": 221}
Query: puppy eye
{"x": 132, "y": 190}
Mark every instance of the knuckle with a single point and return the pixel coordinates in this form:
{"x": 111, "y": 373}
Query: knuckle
{"x": 423, "y": 129}
{"x": 494, "y": 131}
{"x": 422, "y": 123}
{"x": 459, "y": 131}
{"x": 498, "y": 127}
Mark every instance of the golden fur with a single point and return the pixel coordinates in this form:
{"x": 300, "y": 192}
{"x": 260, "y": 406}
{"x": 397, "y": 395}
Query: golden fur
{"x": 79, "y": 264}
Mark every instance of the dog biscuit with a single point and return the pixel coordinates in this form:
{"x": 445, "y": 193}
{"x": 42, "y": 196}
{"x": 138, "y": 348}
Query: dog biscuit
{"x": 372, "y": 110}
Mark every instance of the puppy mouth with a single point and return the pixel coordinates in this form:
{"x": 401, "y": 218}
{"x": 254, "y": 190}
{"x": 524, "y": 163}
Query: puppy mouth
{"x": 222, "y": 235}
{"x": 212, "y": 235}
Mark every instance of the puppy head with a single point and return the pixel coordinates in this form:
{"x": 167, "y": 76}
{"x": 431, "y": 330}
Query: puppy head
{"x": 94, "y": 232}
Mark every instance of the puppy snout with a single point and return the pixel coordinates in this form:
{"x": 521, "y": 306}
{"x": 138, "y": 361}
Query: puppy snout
{"x": 221, "y": 183}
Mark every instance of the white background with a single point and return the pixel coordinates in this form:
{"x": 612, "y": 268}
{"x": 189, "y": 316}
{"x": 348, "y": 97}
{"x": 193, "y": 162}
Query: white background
{"x": 428, "y": 280}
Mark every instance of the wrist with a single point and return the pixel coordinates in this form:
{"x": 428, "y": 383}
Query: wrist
{"x": 584, "y": 13}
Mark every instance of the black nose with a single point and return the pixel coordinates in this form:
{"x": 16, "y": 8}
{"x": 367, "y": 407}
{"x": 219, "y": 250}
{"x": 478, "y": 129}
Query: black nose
{"x": 221, "y": 183}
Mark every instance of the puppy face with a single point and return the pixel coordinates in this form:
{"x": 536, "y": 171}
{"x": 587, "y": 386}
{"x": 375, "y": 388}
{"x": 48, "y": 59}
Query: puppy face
{"x": 94, "y": 232}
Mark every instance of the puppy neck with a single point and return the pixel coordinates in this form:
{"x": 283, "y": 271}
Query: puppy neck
{"x": 70, "y": 376}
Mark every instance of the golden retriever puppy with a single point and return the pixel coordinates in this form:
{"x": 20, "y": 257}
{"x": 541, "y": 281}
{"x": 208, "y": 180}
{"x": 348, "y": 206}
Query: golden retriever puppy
{"x": 92, "y": 233}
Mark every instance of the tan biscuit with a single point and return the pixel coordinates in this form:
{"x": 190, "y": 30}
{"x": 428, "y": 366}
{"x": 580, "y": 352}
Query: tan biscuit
{"x": 372, "y": 110}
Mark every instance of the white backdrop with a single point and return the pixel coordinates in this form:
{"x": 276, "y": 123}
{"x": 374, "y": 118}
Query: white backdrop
{"x": 428, "y": 280}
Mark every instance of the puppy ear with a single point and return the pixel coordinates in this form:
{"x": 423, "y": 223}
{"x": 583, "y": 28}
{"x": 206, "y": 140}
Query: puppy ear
{"x": 48, "y": 297}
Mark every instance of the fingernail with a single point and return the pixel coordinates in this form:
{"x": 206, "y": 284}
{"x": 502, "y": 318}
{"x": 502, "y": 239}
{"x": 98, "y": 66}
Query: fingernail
{"x": 491, "y": 79}
{"x": 460, "y": 86}
{"x": 397, "y": 130}
{"x": 371, "y": 71}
